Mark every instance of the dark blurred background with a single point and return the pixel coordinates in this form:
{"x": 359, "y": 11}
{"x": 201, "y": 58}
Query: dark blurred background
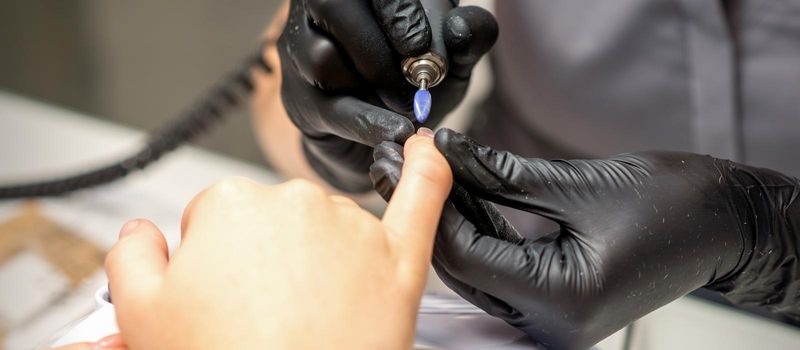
{"x": 137, "y": 63}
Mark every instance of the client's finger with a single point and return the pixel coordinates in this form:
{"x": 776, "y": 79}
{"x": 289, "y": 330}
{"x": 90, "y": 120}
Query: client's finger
{"x": 136, "y": 263}
{"x": 414, "y": 210}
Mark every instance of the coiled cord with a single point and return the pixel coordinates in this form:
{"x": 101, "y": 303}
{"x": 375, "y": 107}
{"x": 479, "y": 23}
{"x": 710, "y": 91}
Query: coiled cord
{"x": 221, "y": 99}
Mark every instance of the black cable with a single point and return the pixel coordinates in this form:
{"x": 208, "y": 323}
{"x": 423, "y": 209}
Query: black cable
{"x": 217, "y": 102}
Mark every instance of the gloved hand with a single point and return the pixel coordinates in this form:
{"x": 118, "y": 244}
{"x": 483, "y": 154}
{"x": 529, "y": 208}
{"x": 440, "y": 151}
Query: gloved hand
{"x": 341, "y": 71}
{"x": 637, "y": 231}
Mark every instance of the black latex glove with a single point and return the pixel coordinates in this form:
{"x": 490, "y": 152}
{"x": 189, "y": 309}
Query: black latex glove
{"x": 637, "y": 231}
{"x": 341, "y": 66}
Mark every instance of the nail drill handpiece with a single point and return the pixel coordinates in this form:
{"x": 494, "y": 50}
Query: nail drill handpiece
{"x": 428, "y": 70}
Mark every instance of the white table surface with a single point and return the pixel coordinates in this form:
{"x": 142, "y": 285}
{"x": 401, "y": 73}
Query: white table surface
{"x": 38, "y": 141}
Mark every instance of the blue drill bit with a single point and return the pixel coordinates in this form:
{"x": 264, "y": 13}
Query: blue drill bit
{"x": 422, "y": 104}
{"x": 425, "y": 72}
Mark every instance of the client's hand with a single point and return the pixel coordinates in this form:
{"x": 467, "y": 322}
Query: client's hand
{"x": 283, "y": 267}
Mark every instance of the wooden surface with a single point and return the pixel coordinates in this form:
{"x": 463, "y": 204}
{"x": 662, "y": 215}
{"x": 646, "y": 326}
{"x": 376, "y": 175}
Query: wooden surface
{"x": 74, "y": 257}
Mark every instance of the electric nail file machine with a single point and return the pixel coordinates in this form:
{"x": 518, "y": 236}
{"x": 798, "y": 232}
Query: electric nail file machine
{"x": 429, "y": 69}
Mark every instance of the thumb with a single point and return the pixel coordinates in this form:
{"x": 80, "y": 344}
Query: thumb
{"x": 469, "y": 33}
{"x": 136, "y": 263}
{"x": 416, "y": 205}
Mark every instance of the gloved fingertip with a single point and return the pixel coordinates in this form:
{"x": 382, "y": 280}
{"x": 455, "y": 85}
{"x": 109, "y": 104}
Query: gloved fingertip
{"x": 385, "y": 171}
{"x": 470, "y": 26}
{"x": 473, "y": 164}
{"x": 448, "y": 140}
{"x": 403, "y": 132}
{"x": 405, "y": 25}
{"x": 366, "y": 123}
{"x": 470, "y": 32}
{"x": 414, "y": 43}
{"x": 388, "y": 149}
{"x": 385, "y": 175}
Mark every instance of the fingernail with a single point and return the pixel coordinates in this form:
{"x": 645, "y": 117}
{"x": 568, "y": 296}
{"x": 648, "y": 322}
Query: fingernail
{"x": 425, "y": 132}
{"x": 111, "y": 341}
{"x": 128, "y": 228}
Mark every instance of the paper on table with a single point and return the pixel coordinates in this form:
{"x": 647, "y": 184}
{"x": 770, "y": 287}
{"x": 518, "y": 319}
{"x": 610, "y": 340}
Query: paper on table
{"x": 449, "y": 322}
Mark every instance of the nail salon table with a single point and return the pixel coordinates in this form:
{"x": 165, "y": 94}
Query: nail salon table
{"x": 51, "y": 250}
